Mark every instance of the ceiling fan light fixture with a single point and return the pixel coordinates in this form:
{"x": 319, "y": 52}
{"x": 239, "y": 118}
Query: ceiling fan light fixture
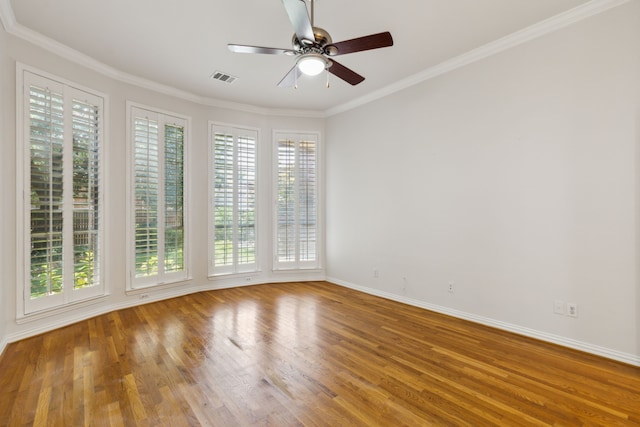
{"x": 312, "y": 64}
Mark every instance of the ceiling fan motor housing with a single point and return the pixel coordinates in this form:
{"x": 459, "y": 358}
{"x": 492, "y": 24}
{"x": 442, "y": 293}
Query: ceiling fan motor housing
{"x": 322, "y": 43}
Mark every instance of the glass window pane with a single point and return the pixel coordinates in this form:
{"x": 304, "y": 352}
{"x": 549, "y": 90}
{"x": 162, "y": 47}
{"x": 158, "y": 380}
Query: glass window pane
{"x": 223, "y": 199}
{"x": 46, "y": 124}
{"x": 62, "y": 211}
{"x": 297, "y": 201}
{"x": 234, "y": 204}
{"x": 86, "y": 208}
{"x": 173, "y": 198}
{"x": 146, "y": 173}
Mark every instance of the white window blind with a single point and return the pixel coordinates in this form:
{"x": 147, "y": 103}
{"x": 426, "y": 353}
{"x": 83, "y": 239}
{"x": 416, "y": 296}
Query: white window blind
{"x": 296, "y": 243}
{"x": 158, "y": 192}
{"x": 62, "y": 154}
{"x": 233, "y": 247}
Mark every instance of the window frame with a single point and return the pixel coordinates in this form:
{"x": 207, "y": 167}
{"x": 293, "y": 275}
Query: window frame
{"x": 163, "y": 277}
{"x": 27, "y": 76}
{"x": 234, "y": 269}
{"x": 298, "y": 264}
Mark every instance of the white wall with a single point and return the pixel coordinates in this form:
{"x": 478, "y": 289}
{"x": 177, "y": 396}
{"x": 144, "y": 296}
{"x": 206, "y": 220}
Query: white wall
{"x": 515, "y": 178}
{"x": 15, "y": 49}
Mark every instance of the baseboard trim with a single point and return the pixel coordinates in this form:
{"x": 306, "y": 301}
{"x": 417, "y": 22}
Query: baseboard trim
{"x": 4, "y": 342}
{"x": 72, "y": 316}
{"x": 608, "y": 353}
{"x": 173, "y": 293}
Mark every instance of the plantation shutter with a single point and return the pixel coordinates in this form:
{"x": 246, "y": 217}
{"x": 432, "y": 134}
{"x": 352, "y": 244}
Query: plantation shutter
{"x": 86, "y": 193}
{"x": 158, "y": 184}
{"x": 233, "y": 166}
{"x": 63, "y": 143}
{"x": 286, "y": 217}
{"x": 147, "y": 188}
{"x": 296, "y": 204}
{"x": 174, "y": 198}
{"x": 307, "y": 200}
{"x": 224, "y": 185}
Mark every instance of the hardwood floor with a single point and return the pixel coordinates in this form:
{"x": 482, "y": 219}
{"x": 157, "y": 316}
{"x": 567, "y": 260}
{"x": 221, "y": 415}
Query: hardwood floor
{"x": 303, "y": 354}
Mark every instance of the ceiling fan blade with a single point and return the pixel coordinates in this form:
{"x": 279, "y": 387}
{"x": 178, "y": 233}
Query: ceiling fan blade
{"x": 299, "y": 17}
{"x": 345, "y": 73}
{"x": 373, "y": 41}
{"x": 290, "y": 79}
{"x": 239, "y": 48}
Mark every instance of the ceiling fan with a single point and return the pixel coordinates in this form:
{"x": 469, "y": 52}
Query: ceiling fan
{"x": 314, "y": 48}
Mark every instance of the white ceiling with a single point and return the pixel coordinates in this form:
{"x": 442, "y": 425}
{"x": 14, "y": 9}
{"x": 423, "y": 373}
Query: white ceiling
{"x": 181, "y": 43}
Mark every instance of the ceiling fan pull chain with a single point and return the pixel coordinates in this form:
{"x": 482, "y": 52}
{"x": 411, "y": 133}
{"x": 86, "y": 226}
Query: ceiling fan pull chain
{"x": 327, "y": 71}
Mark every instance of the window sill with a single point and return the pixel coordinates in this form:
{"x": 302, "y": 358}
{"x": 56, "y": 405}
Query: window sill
{"x": 143, "y": 289}
{"x": 53, "y": 311}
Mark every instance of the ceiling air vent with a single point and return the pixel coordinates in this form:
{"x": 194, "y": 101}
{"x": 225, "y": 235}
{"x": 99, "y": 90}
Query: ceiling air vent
{"x": 223, "y": 77}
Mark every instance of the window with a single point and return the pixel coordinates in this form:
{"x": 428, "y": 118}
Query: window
{"x": 233, "y": 186}
{"x": 158, "y": 228}
{"x": 61, "y": 159}
{"x": 296, "y": 228}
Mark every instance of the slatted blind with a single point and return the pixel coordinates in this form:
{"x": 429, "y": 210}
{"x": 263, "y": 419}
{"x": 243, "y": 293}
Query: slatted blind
{"x": 46, "y": 132}
{"x": 86, "y": 193}
{"x": 307, "y": 200}
{"x": 147, "y": 187}
{"x": 62, "y": 166}
{"x": 174, "y": 198}
{"x": 246, "y": 200}
{"x": 234, "y": 200}
{"x": 287, "y": 201}
{"x": 159, "y": 197}
{"x": 224, "y": 185}
{"x": 297, "y": 204}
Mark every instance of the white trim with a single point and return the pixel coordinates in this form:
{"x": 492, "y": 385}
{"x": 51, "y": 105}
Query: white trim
{"x": 25, "y": 307}
{"x": 77, "y": 57}
{"x": 597, "y": 350}
{"x": 297, "y": 136}
{"x": 171, "y": 278}
{"x": 7, "y": 17}
{"x": 20, "y": 193}
{"x": 4, "y": 342}
{"x": 534, "y": 31}
{"x": 529, "y": 33}
{"x": 235, "y": 131}
{"x": 248, "y": 280}
{"x": 251, "y": 279}
{"x": 73, "y": 315}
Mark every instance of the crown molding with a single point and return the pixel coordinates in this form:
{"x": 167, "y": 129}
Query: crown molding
{"x": 532, "y": 32}
{"x": 7, "y": 17}
{"x": 14, "y": 28}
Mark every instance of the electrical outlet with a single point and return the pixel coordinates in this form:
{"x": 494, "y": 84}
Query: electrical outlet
{"x": 572, "y": 309}
{"x": 376, "y": 273}
{"x": 450, "y": 287}
{"x": 558, "y": 307}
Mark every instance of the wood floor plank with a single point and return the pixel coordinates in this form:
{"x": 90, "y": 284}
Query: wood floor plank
{"x": 303, "y": 354}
